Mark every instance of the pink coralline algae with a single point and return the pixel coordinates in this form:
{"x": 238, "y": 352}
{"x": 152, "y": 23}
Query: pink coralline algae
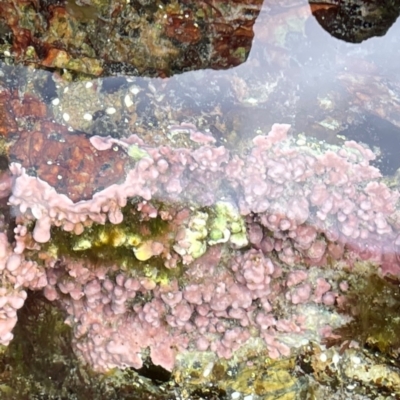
{"x": 263, "y": 241}
{"x": 17, "y": 275}
{"x": 116, "y": 319}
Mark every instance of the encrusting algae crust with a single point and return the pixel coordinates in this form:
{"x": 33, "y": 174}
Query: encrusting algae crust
{"x": 162, "y": 283}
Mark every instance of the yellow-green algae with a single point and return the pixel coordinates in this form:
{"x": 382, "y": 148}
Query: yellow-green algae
{"x": 250, "y": 372}
{"x": 128, "y": 243}
{"x": 135, "y": 152}
{"x": 111, "y": 244}
{"x": 227, "y": 225}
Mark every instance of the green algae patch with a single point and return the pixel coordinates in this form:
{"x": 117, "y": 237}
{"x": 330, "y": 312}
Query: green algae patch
{"x": 38, "y": 358}
{"x": 227, "y": 225}
{"x": 136, "y": 152}
{"x": 121, "y": 244}
{"x": 374, "y": 304}
{"x": 144, "y": 244}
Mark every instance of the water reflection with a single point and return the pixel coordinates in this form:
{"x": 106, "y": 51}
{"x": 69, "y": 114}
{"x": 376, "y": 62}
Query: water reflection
{"x": 294, "y": 73}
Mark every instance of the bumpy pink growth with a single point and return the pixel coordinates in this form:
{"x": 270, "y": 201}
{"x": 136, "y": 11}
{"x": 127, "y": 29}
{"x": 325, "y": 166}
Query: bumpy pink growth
{"x": 13, "y": 262}
{"x": 241, "y": 297}
{"x": 192, "y": 294}
{"x": 301, "y": 294}
{"x": 300, "y": 208}
{"x": 297, "y": 194}
{"x": 164, "y": 355}
{"x": 265, "y": 320}
{"x": 41, "y": 233}
{"x": 329, "y": 298}
{"x": 172, "y": 298}
{"x": 322, "y": 287}
{"x": 316, "y": 250}
{"x": 255, "y": 234}
{"x": 295, "y": 277}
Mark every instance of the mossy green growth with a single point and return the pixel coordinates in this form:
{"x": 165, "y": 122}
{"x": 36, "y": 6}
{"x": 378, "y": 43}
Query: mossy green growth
{"x": 40, "y": 338}
{"x": 136, "y": 152}
{"x": 129, "y": 243}
{"x": 374, "y": 304}
{"x": 116, "y": 244}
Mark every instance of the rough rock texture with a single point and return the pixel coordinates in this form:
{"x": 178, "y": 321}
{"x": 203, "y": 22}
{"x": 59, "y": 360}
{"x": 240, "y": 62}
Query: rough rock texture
{"x": 107, "y": 37}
